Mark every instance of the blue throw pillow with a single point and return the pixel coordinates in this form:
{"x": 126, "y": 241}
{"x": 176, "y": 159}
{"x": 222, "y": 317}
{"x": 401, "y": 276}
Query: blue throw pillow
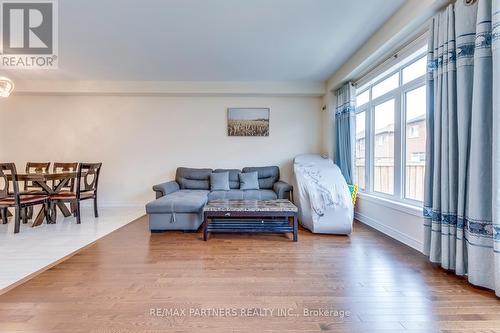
{"x": 249, "y": 181}
{"x": 219, "y": 181}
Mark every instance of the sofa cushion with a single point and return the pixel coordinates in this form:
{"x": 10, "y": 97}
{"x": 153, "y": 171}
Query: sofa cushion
{"x": 183, "y": 201}
{"x": 193, "y": 179}
{"x": 243, "y": 195}
{"x": 249, "y": 181}
{"x": 219, "y": 181}
{"x": 234, "y": 178}
{"x": 267, "y": 175}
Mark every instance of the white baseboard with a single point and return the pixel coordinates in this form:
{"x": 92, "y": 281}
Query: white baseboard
{"x": 118, "y": 204}
{"x": 391, "y": 232}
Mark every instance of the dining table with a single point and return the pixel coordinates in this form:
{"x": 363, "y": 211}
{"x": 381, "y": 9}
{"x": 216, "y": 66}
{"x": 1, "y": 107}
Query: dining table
{"x": 50, "y": 183}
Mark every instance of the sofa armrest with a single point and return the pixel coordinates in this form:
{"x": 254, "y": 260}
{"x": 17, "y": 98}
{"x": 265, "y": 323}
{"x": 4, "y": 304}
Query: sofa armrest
{"x": 282, "y": 189}
{"x": 165, "y": 188}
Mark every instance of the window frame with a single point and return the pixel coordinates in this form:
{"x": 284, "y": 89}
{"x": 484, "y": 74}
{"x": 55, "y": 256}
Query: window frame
{"x": 361, "y": 110}
{"x": 400, "y": 113}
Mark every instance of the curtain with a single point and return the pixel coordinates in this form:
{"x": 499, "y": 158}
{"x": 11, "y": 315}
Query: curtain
{"x": 344, "y": 124}
{"x": 458, "y": 204}
{"x": 495, "y": 36}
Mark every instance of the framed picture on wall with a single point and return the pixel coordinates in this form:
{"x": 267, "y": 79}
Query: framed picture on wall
{"x": 248, "y": 121}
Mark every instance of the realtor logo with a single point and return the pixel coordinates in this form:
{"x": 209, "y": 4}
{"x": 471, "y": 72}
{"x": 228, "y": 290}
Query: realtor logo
{"x": 28, "y": 34}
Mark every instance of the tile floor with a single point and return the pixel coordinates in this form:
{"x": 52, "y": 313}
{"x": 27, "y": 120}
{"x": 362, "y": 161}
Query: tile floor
{"x": 34, "y": 249}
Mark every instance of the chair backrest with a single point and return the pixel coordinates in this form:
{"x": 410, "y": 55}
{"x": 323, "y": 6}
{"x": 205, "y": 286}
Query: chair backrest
{"x": 35, "y": 167}
{"x": 60, "y": 167}
{"x": 88, "y": 177}
{"x": 7, "y": 169}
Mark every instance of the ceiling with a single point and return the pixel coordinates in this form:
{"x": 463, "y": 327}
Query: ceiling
{"x": 210, "y": 40}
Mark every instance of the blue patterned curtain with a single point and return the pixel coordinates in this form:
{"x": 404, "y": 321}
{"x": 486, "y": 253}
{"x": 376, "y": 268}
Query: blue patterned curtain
{"x": 458, "y": 205}
{"x": 344, "y": 124}
{"x": 495, "y": 36}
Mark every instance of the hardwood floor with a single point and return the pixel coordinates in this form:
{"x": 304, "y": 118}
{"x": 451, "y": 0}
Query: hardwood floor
{"x": 131, "y": 279}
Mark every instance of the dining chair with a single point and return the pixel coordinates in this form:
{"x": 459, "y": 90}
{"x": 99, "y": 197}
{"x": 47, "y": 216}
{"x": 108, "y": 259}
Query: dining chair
{"x": 13, "y": 198}
{"x": 59, "y": 167}
{"x": 34, "y": 167}
{"x": 87, "y": 181}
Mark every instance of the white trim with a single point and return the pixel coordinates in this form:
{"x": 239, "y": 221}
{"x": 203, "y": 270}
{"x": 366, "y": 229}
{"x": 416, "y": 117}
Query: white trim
{"x": 396, "y": 205}
{"x": 170, "y": 88}
{"x": 404, "y": 57}
{"x": 117, "y": 204}
{"x": 391, "y": 232}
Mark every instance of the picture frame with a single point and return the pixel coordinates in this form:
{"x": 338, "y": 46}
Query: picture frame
{"x": 248, "y": 121}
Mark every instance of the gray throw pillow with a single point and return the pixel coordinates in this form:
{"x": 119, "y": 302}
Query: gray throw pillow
{"x": 219, "y": 181}
{"x": 249, "y": 181}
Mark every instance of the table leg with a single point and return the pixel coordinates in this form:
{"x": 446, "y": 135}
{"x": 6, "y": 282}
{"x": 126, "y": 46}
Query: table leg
{"x": 17, "y": 220}
{"x": 39, "y": 218}
{"x": 24, "y": 215}
{"x": 5, "y": 215}
{"x": 205, "y": 228}
{"x": 52, "y": 211}
{"x": 295, "y": 228}
{"x": 64, "y": 209}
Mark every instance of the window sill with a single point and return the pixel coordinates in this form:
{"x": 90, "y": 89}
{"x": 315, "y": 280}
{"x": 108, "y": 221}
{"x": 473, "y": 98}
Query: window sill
{"x": 393, "y": 204}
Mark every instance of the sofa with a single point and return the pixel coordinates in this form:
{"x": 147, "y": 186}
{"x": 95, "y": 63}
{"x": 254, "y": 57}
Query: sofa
{"x": 179, "y": 204}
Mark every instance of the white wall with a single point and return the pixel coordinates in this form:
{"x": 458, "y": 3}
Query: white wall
{"x": 400, "y": 223}
{"x": 141, "y": 140}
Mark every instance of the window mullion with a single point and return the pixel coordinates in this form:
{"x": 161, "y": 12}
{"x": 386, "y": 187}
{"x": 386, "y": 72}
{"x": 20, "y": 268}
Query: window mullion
{"x": 398, "y": 143}
{"x": 403, "y": 144}
{"x": 369, "y": 145}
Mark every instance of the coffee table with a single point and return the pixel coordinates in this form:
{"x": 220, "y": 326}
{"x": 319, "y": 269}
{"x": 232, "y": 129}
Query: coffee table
{"x": 250, "y": 216}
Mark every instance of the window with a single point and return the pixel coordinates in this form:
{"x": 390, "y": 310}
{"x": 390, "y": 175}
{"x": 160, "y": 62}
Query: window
{"x": 391, "y": 128}
{"x": 412, "y": 132}
{"x": 415, "y": 143}
{"x": 414, "y": 70}
{"x": 385, "y": 86}
{"x": 417, "y": 157}
{"x": 360, "y": 150}
{"x": 383, "y": 175}
{"x": 363, "y": 98}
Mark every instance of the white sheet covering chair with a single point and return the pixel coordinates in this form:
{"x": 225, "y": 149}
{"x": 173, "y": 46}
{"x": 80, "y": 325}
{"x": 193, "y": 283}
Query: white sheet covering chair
{"x": 322, "y": 195}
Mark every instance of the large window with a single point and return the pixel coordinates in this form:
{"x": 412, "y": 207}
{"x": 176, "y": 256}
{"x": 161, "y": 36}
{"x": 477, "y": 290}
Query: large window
{"x": 415, "y": 143}
{"x": 383, "y": 152}
{"x": 391, "y": 130}
{"x": 360, "y": 149}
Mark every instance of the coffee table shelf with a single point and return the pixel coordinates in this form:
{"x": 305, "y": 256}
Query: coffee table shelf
{"x": 250, "y": 226}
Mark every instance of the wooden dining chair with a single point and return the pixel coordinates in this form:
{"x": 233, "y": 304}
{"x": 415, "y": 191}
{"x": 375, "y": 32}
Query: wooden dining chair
{"x": 87, "y": 182}
{"x": 13, "y": 198}
{"x": 34, "y": 167}
{"x": 59, "y": 167}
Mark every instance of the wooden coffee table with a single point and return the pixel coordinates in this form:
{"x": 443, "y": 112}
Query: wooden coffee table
{"x": 250, "y": 216}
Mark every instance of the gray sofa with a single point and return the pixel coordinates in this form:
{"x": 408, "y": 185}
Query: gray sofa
{"x": 179, "y": 204}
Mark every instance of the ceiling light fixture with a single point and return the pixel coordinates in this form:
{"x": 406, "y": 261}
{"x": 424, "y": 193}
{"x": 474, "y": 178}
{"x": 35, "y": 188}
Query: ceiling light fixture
{"x": 6, "y": 87}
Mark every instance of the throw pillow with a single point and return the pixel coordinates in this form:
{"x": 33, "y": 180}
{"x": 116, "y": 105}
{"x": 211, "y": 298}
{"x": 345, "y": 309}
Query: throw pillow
{"x": 249, "y": 181}
{"x": 219, "y": 181}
